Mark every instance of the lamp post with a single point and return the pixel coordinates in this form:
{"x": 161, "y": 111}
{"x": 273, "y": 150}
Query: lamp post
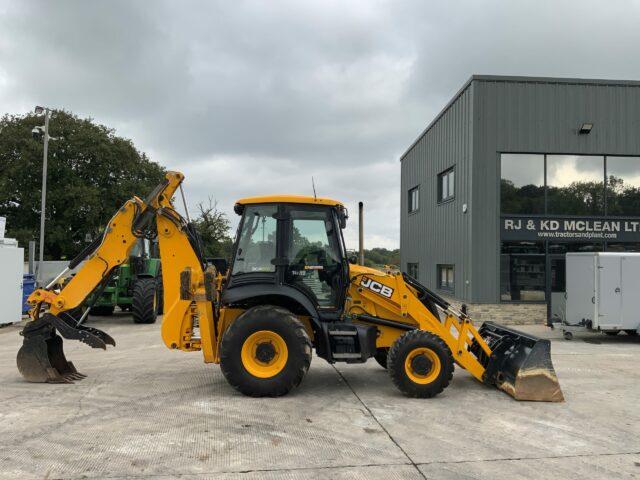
{"x": 43, "y": 201}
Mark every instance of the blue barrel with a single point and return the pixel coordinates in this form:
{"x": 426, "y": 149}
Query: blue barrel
{"x": 28, "y": 285}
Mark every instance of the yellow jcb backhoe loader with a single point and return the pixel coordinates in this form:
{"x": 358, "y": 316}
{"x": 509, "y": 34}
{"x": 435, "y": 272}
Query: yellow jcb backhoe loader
{"x": 290, "y": 288}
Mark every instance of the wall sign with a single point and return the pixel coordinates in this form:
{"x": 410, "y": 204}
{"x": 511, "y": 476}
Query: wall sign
{"x": 569, "y": 229}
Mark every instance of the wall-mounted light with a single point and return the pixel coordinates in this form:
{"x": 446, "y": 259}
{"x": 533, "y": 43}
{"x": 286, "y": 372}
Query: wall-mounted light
{"x": 585, "y": 128}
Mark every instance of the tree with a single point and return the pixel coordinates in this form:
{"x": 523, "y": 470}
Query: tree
{"x": 622, "y": 199}
{"x": 91, "y": 173}
{"x": 379, "y": 257}
{"x": 213, "y": 227}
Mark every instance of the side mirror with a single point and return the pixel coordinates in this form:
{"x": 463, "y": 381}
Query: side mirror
{"x": 353, "y": 259}
{"x": 343, "y": 215}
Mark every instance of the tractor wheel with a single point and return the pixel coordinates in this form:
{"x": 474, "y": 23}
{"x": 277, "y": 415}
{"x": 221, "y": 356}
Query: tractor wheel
{"x": 420, "y": 364}
{"x": 144, "y": 305}
{"x": 102, "y": 310}
{"x": 381, "y": 357}
{"x": 265, "y": 352}
{"x": 611, "y": 333}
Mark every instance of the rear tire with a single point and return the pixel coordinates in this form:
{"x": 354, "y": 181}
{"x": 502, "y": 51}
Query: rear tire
{"x": 631, "y": 333}
{"x": 144, "y": 306}
{"x": 102, "y": 310}
{"x": 612, "y": 333}
{"x": 266, "y": 352}
{"x": 420, "y": 364}
{"x": 381, "y": 357}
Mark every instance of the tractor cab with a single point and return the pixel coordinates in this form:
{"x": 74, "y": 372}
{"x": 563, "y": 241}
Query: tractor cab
{"x": 291, "y": 250}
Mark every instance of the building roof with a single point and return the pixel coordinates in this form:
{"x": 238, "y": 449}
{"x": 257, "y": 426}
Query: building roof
{"x": 519, "y": 79}
{"x": 289, "y": 199}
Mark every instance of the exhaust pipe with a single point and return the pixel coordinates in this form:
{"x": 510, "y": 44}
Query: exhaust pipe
{"x": 360, "y": 233}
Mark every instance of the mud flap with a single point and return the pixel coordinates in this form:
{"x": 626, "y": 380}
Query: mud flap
{"x": 520, "y": 364}
{"x": 41, "y": 358}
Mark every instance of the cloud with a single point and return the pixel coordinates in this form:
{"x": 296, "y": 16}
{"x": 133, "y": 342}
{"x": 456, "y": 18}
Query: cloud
{"x": 253, "y": 97}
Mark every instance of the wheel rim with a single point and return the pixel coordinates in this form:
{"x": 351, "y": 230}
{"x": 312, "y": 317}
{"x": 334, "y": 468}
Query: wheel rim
{"x": 417, "y": 360}
{"x": 264, "y": 354}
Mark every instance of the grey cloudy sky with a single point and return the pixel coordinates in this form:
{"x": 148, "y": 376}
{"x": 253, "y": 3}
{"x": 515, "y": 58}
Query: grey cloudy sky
{"x": 254, "y": 97}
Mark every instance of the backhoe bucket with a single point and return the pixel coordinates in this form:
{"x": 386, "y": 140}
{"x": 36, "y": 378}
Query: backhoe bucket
{"x": 41, "y": 358}
{"x": 520, "y": 364}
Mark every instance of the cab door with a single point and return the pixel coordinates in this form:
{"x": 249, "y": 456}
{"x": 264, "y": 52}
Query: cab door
{"x": 255, "y": 256}
{"x": 314, "y": 257}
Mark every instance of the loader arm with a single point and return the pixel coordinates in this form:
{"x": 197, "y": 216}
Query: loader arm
{"x": 513, "y": 361}
{"x": 41, "y": 358}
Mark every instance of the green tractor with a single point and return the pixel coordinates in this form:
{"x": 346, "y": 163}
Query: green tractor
{"x": 136, "y": 286}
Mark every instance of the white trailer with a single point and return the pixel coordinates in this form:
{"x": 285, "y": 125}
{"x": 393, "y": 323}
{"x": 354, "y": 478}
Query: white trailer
{"x": 11, "y": 269}
{"x": 603, "y": 293}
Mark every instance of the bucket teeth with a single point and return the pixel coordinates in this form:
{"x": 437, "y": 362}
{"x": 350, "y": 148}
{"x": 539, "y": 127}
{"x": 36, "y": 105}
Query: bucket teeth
{"x": 41, "y": 358}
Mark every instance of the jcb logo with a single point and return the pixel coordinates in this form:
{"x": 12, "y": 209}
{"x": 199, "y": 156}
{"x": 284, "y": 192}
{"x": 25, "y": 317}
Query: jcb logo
{"x": 376, "y": 287}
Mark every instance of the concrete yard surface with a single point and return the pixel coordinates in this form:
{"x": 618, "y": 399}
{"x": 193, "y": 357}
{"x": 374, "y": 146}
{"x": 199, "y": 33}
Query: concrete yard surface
{"x": 147, "y": 412}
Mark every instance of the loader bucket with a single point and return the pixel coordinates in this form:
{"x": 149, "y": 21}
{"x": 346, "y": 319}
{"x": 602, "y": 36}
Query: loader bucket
{"x": 41, "y": 358}
{"x": 520, "y": 364}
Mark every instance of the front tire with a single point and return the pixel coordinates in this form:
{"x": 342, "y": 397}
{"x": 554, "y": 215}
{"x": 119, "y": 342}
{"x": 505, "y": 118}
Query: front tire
{"x": 420, "y": 364}
{"x": 266, "y": 352}
{"x": 144, "y": 305}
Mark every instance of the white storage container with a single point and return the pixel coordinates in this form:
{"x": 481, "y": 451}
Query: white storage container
{"x": 603, "y": 290}
{"x": 11, "y": 268}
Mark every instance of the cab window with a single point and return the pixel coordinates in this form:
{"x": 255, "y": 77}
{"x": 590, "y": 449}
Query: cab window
{"x": 257, "y": 243}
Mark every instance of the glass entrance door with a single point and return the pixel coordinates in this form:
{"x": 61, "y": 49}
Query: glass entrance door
{"x": 556, "y": 287}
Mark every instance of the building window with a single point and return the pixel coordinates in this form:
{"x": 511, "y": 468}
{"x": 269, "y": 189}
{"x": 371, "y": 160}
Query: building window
{"x": 575, "y": 184}
{"x": 522, "y": 183}
{"x": 563, "y": 184}
{"x": 446, "y": 185}
{"x": 412, "y": 270}
{"x": 414, "y": 199}
{"x": 623, "y": 185}
{"x": 445, "y": 277}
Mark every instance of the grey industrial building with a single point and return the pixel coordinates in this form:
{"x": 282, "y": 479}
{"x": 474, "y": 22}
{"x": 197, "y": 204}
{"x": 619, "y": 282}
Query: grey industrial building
{"x": 513, "y": 173}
